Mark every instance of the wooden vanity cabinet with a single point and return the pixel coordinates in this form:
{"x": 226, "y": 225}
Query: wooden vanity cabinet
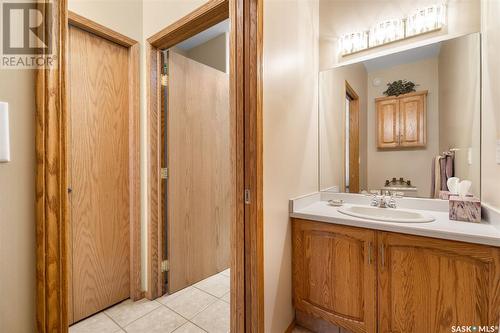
{"x": 334, "y": 274}
{"x": 429, "y": 285}
{"x": 401, "y": 121}
{"x": 373, "y": 281}
{"x": 388, "y": 123}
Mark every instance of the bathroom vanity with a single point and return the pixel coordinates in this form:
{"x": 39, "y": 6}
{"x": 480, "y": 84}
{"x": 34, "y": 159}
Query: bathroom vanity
{"x": 367, "y": 275}
{"x": 410, "y": 112}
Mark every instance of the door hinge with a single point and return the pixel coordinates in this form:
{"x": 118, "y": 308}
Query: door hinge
{"x": 247, "y": 196}
{"x": 164, "y": 80}
{"x": 165, "y": 266}
{"x": 164, "y": 173}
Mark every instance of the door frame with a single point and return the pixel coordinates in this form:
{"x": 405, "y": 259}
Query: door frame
{"x": 247, "y": 278}
{"x": 247, "y": 271}
{"x": 353, "y": 109}
{"x": 52, "y": 214}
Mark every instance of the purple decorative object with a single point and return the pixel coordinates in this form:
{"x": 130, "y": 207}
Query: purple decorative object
{"x": 467, "y": 209}
{"x": 444, "y": 195}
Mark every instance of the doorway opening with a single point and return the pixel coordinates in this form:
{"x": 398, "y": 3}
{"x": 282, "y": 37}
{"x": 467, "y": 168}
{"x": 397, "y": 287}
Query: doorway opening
{"x": 351, "y": 140}
{"x": 197, "y": 164}
{"x": 53, "y": 258}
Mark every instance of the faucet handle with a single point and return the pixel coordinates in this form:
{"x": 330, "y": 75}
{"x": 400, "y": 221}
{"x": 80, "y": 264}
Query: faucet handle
{"x": 376, "y": 199}
{"x": 390, "y": 201}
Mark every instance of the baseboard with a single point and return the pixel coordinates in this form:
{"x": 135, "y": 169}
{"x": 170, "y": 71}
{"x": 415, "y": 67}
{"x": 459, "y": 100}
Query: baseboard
{"x": 291, "y": 327}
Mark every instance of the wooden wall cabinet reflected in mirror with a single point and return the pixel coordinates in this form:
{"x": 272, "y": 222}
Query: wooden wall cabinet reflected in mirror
{"x": 401, "y": 120}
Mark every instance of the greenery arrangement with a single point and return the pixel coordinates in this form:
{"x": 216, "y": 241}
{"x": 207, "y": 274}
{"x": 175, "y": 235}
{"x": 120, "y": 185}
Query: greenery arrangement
{"x": 400, "y": 87}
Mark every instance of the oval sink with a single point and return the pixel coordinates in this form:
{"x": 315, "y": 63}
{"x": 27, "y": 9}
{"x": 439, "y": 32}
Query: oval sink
{"x": 386, "y": 214}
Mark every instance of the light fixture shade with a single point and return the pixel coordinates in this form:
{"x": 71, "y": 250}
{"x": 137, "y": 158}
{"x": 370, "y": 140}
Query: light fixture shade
{"x": 353, "y": 42}
{"x": 387, "y": 31}
{"x": 426, "y": 19}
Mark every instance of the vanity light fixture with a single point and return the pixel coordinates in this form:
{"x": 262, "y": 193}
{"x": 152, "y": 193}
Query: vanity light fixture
{"x": 423, "y": 20}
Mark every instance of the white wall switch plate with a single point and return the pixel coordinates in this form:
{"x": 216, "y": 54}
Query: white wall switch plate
{"x": 4, "y": 133}
{"x": 498, "y": 151}
{"x": 469, "y": 155}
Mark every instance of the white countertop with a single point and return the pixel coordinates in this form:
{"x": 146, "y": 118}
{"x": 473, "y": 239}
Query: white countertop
{"x": 316, "y": 208}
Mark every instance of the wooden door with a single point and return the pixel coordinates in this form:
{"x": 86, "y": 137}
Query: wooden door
{"x": 353, "y": 138}
{"x": 388, "y": 123}
{"x": 430, "y": 285}
{"x": 412, "y": 120}
{"x": 334, "y": 274}
{"x": 199, "y": 197}
{"x": 99, "y": 172}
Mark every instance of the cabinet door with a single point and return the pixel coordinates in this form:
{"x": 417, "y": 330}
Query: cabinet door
{"x": 334, "y": 274}
{"x": 388, "y": 123}
{"x": 430, "y": 285}
{"x": 413, "y": 121}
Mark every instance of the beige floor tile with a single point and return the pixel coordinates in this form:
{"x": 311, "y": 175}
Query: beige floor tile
{"x": 97, "y": 323}
{"x": 189, "y": 328}
{"x": 226, "y": 297}
{"x": 128, "y": 311}
{"x": 160, "y": 320}
{"x": 215, "y": 318}
{"x": 227, "y": 272}
{"x": 217, "y": 285}
{"x": 188, "y": 302}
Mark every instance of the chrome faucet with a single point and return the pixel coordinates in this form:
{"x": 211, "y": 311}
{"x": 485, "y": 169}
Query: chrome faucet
{"x": 384, "y": 201}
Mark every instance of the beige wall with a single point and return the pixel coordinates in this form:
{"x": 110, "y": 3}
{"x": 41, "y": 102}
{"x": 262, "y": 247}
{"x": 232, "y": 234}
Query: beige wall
{"x": 17, "y": 206}
{"x": 460, "y": 105}
{"x": 213, "y": 53}
{"x": 290, "y": 140}
{"x": 409, "y": 164}
{"x": 338, "y": 17}
{"x": 490, "y": 176}
{"x": 123, "y": 16}
{"x": 158, "y": 14}
{"x": 332, "y": 121}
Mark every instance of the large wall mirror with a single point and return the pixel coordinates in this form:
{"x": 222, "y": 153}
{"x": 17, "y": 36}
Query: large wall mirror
{"x": 402, "y": 117}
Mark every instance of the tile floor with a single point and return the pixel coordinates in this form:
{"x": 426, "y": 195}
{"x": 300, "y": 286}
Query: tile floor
{"x": 201, "y": 308}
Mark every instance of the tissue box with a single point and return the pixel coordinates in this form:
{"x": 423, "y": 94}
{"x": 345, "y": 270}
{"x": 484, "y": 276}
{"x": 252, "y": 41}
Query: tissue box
{"x": 467, "y": 209}
{"x": 445, "y": 195}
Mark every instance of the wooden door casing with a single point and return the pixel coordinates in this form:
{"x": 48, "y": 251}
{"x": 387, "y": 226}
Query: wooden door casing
{"x": 199, "y": 189}
{"x": 99, "y": 208}
{"x": 388, "y": 123}
{"x": 412, "y": 120}
{"x": 430, "y": 285}
{"x": 334, "y": 274}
